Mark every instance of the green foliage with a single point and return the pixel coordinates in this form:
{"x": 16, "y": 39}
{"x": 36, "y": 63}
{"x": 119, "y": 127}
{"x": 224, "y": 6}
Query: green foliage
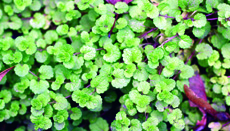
{"x": 38, "y": 21}
{"x": 21, "y": 70}
{"x": 131, "y": 55}
{"x": 121, "y": 7}
{"x": 89, "y": 52}
{"x": 205, "y": 50}
{"x": 99, "y": 125}
{"x": 75, "y": 61}
{"x": 38, "y": 87}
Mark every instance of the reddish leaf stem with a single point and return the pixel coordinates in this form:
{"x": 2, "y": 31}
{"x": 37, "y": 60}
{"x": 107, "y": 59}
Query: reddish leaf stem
{"x": 110, "y": 32}
{"x": 146, "y": 33}
{"x": 212, "y": 19}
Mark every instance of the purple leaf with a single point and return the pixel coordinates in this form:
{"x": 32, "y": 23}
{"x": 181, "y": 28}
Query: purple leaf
{"x": 3, "y": 73}
{"x": 115, "y": 1}
{"x": 196, "y": 84}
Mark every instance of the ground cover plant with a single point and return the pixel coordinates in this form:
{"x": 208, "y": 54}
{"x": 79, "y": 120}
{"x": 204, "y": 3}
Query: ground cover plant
{"x": 120, "y": 65}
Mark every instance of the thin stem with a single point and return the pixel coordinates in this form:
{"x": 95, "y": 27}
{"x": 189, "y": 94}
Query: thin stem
{"x": 110, "y": 32}
{"x": 34, "y": 74}
{"x": 193, "y": 53}
{"x": 160, "y": 69}
{"x": 176, "y": 75}
{"x": 99, "y": 49}
{"x": 168, "y": 39}
{"x": 77, "y": 53}
{"x": 145, "y": 60}
{"x": 146, "y": 116}
{"x": 200, "y": 41}
{"x": 68, "y": 96}
{"x": 213, "y": 19}
{"x": 188, "y": 18}
{"x": 166, "y": 16}
{"x": 193, "y": 13}
{"x": 211, "y": 14}
{"x": 161, "y": 34}
{"x": 146, "y": 33}
{"x": 87, "y": 86}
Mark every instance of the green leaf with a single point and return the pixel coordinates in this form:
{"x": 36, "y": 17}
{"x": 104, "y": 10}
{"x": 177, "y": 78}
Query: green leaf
{"x": 50, "y": 36}
{"x": 38, "y": 21}
{"x": 132, "y": 55}
{"x": 6, "y": 95}
{"x": 152, "y": 11}
{"x": 41, "y": 122}
{"x": 36, "y": 5}
{"x": 21, "y": 70}
{"x": 213, "y": 58}
{"x": 203, "y": 31}
{"x": 218, "y": 40}
{"x": 165, "y": 96}
{"x": 100, "y": 83}
{"x": 2, "y": 104}
{"x": 124, "y": 33}
{"x": 204, "y": 51}
{"x": 62, "y": 29}
{"x": 200, "y": 20}
{"x": 186, "y": 72}
{"x": 46, "y": 72}
{"x": 21, "y": 4}
{"x": 121, "y": 7}
{"x": 143, "y": 87}
{"x": 189, "y": 5}
{"x": 160, "y": 22}
{"x": 130, "y": 69}
{"x": 42, "y": 56}
{"x": 227, "y": 100}
{"x": 89, "y": 52}
{"x": 225, "y": 51}
{"x": 60, "y": 103}
{"x": 38, "y": 87}
{"x": 113, "y": 53}
{"x": 135, "y": 125}
{"x": 99, "y": 125}
{"x": 141, "y": 73}
{"x": 120, "y": 81}
{"x": 121, "y": 23}
{"x": 76, "y": 113}
{"x": 211, "y": 4}
{"x": 150, "y": 124}
{"x": 136, "y": 25}
{"x": 185, "y": 41}
{"x": 59, "y": 126}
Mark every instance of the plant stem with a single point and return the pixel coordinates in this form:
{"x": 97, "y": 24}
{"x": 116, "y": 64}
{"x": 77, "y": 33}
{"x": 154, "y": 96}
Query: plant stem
{"x": 68, "y": 96}
{"x": 188, "y": 18}
{"x": 34, "y": 74}
{"x": 99, "y": 49}
{"x": 193, "y": 53}
{"x": 87, "y": 86}
{"x": 213, "y": 19}
{"x": 143, "y": 35}
{"x": 211, "y": 14}
{"x": 77, "y": 53}
{"x": 110, "y": 32}
{"x": 168, "y": 39}
{"x": 166, "y": 16}
{"x": 200, "y": 41}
